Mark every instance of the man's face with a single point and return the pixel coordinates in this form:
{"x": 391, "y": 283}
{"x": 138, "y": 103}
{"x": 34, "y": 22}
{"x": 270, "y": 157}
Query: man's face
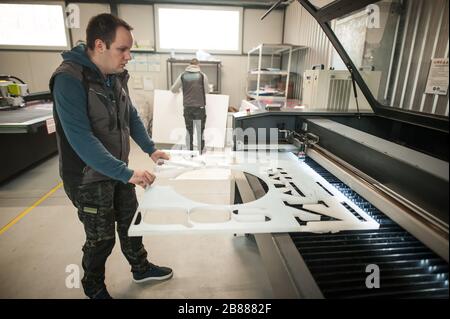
{"x": 118, "y": 54}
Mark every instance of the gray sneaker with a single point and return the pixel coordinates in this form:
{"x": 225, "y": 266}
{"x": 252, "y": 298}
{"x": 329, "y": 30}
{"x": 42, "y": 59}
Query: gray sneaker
{"x": 153, "y": 273}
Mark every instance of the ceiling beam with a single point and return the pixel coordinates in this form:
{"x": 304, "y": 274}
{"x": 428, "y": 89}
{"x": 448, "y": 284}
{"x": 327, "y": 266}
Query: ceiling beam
{"x": 256, "y": 4}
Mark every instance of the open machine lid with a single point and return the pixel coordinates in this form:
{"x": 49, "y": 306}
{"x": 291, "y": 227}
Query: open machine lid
{"x": 382, "y": 37}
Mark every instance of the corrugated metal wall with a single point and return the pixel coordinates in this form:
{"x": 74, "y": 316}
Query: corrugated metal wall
{"x": 426, "y": 27}
{"x": 423, "y": 35}
{"x": 302, "y": 29}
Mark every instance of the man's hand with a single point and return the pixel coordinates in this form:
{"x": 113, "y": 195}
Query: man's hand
{"x": 142, "y": 178}
{"x": 157, "y": 155}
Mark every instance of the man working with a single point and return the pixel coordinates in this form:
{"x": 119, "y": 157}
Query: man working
{"x": 194, "y": 84}
{"x": 94, "y": 121}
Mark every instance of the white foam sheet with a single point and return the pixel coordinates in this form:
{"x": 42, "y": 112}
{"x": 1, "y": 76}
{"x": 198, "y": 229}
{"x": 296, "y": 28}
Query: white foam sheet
{"x": 168, "y": 120}
{"x": 288, "y": 179}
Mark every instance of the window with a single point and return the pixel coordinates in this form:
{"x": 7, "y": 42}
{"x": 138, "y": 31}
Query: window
{"x": 192, "y": 28}
{"x": 32, "y": 26}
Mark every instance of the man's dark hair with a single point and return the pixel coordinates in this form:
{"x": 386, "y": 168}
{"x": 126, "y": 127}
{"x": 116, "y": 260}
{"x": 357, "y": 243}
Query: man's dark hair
{"x": 103, "y": 27}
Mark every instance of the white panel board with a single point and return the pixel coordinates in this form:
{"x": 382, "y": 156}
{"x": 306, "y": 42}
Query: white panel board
{"x": 294, "y": 191}
{"x": 168, "y": 120}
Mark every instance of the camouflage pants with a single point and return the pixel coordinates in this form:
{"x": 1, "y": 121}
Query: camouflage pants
{"x": 100, "y": 206}
{"x": 195, "y": 117}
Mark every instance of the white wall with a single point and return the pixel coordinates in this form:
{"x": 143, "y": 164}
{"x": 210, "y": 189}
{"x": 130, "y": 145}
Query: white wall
{"x": 269, "y": 30}
{"x": 300, "y": 28}
{"x": 36, "y": 67}
{"x": 234, "y": 67}
{"x": 141, "y": 19}
{"x": 87, "y": 10}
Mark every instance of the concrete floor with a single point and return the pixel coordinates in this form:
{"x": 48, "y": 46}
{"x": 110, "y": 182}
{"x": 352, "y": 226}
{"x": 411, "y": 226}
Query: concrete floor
{"x": 36, "y": 251}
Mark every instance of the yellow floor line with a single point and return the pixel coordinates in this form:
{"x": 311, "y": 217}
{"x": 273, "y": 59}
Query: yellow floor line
{"x": 29, "y": 209}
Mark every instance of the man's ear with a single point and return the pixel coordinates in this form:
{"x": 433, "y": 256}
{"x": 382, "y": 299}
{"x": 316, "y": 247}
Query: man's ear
{"x": 100, "y": 46}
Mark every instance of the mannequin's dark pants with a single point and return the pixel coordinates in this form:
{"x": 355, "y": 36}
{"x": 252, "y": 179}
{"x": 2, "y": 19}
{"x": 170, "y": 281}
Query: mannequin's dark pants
{"x": 195, "y": 117}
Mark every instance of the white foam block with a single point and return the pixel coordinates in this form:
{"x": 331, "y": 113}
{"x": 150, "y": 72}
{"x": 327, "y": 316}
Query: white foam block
{"x": 168, "y": 120}
{"x": 211, "y": 185}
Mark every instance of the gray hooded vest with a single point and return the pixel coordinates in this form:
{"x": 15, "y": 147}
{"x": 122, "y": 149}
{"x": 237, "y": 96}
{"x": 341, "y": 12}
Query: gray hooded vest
{"x": 109, "y": 113}
{"x": 193, "y": 89}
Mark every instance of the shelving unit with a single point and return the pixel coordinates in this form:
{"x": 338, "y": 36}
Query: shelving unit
{"x": 212, "y": 69}
{"x": 265, "y": 77}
